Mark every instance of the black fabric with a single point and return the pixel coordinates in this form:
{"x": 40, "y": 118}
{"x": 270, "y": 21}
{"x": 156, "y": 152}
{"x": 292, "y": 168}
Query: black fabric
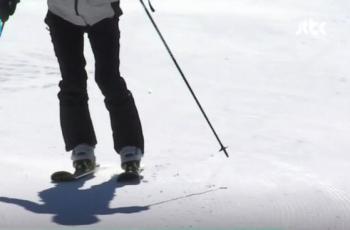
{"x": 7, "y": 8}
{"x": 76, "y": 123}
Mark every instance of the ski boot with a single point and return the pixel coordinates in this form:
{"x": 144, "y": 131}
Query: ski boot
{"x": 84, "y": 163}
{"x": 83, "y": 158}
{"x": 130, "y": 163}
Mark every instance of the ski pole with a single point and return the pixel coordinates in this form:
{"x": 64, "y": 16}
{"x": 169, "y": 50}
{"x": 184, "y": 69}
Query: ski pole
{"x": 2, "y": 26}
{"x": 183, "y": 75}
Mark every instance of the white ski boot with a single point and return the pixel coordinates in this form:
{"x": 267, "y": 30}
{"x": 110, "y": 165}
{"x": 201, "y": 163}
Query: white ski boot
{"x": 131, "y": 158}
{"x": 83, "y": 157}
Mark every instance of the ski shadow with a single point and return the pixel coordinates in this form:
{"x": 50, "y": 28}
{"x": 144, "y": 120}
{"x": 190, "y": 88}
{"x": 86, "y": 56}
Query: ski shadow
{"x": 72, "y": 206}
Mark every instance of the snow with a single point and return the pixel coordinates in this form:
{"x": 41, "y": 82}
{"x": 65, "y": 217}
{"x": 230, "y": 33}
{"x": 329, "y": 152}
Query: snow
{"x": 280, "y": 101}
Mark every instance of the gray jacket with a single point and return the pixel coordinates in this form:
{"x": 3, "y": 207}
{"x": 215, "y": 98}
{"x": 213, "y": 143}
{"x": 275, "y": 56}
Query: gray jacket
{"x": 82, "y": 12}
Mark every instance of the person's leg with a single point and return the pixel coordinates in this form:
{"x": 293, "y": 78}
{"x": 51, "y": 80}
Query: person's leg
{"x": 68, "y": 42}
{"x": 126, "y": 126}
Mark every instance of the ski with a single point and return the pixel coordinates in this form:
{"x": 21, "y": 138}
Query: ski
{"x": 131, "y": 176}
{"x": 123, "y": 177}
{"x": 64, "y": 176}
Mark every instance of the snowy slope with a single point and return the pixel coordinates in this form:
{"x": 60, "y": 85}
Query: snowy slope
{"x": 280, "y": 101}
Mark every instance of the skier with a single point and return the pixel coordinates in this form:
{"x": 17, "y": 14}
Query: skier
{"x": 68, "y": 21}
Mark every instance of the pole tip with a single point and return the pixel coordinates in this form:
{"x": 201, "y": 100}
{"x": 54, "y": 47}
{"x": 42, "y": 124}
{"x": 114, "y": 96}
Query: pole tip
{"x": 224, "y": 149}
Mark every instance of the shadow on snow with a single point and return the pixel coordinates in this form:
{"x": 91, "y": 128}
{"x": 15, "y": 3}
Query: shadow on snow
{"x": 72, "y": 206}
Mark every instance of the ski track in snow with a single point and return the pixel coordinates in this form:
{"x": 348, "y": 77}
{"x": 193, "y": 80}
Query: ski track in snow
{"x": 279, "y": 101}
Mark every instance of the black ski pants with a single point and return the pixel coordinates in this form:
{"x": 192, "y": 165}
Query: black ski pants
{"x": 76, "y": 123}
